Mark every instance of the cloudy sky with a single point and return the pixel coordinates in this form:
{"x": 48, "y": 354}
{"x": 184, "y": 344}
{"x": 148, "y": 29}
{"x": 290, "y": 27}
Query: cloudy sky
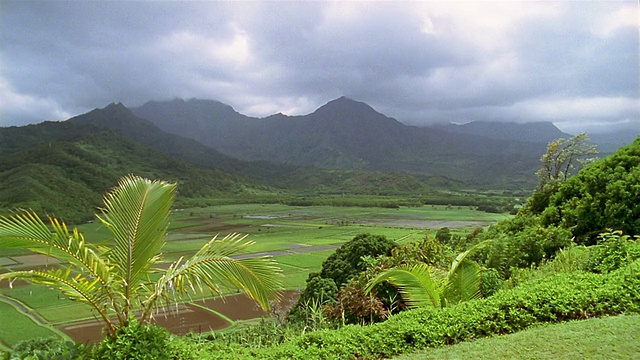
{"x": 575, "y": 63}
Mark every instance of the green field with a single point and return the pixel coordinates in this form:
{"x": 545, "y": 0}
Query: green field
{"x": 300, "y": 238}
{"x": 605, "y": 338}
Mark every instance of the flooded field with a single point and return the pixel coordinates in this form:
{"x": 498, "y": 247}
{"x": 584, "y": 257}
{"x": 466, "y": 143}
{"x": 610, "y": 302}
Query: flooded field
{"x": 197, "y": 318}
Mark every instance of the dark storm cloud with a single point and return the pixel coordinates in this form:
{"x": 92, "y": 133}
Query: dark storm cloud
{"x": 572, "y": 63}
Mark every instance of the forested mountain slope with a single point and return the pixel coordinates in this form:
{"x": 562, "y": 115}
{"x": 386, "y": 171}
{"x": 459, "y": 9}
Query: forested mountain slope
{"x": 66, "y": 177}
{"x": 348, "y": 134}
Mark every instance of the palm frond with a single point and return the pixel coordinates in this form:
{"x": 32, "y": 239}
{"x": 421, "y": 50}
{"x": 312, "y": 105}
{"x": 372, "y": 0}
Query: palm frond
{"x": 136, "y": 212}
{"x": 415, "y": 283}
{"x": 464, "y": 283}
{"x": 24, "y": 230}
{"x": 463, "y": 255}
{"x": 27, "y": 230}
{"x": 77, "y": 287}
{"x": 213, "y": 268}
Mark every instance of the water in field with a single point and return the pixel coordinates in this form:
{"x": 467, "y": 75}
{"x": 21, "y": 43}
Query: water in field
{"x": 197, "y": 318}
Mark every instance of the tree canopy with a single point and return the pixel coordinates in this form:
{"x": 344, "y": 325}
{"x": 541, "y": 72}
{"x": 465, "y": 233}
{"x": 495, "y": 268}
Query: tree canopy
{"x": 604, "y": 195}
{"x": 347, "y": 262}
{"x": 563, "y": 157}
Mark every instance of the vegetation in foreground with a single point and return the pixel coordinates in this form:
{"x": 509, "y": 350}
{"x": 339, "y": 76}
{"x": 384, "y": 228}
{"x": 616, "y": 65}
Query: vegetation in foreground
{"x": 616, "y": 337}
{"x": 551, "y": 299}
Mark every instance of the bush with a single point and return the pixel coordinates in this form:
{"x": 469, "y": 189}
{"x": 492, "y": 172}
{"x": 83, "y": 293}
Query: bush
{"x": 141, "y": 342}
{"x": 602, "y": 195}
{"x": 354, "y": 306}
{"x": 521, "y": 242}
{"x": 47, "y": 348}
{"x": 570, "y": 259}
{"x": 346, "y": 262}
{"x": 613, "y": 251}
{"x": 546, "y": 300}
{"x": 341, "y": 266}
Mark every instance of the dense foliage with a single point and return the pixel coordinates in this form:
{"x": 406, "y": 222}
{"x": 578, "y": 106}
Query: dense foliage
{"x": 340, "y": 267}
{"x": 563, "y": 157}
{"x": 549, "y": 299}
{"x": 534, "y": 269}
{"x": 346, "y": 261}
{"x": 604, "y": 195}
{"x": 67, "y": 178}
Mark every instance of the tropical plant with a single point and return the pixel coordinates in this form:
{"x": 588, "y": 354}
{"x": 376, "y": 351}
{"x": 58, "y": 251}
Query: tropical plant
{"x": 423, "y": 285}
{"x": 340, "y": 267}
{"x": 614, "y": 250}
{"x": 122, "y": 279}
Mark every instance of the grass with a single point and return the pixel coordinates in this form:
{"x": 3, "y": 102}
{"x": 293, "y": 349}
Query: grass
{"x": 605, "y": 338}
{"x": 296, "y": 267}
{"x": 36, "y": 296}
{"x": 15, "y": 326}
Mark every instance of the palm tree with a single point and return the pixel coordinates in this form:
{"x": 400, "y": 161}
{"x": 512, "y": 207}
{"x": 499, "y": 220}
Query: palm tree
{"x": 116, "y": 279}
{"x": 423, "y": 285}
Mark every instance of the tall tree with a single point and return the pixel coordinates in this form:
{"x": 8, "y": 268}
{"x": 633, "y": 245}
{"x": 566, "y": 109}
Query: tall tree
{"x": 563, "y": 157}
{"x": 115, "y": 280}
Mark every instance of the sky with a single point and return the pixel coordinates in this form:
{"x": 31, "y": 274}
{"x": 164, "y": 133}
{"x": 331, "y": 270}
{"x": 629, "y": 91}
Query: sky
{"x": 575, "y": 63}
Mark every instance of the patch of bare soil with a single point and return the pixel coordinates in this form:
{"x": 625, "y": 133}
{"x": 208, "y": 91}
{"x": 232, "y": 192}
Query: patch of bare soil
{"x": 34, "y": 260}
{"x": 188, "y": 318}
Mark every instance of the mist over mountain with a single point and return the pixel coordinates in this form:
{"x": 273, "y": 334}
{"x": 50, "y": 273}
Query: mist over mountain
{"x": 533, "y": 132}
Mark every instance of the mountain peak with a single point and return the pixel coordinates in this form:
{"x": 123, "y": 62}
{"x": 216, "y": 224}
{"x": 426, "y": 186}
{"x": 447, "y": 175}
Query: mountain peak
{"x": 116, "y": 108}
{"x": 345, "y": 106}
{"x": 115, "y": 105}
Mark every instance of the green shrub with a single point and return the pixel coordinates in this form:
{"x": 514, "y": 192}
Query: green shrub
{"x": 603, "y": 195}
{"x": 613, "y": 251}
{"x": 570, "y": 259}
{"x": 561, "y": 297}
{"x": 48, "y": 348}
{"x": 143, "y": 342}
{"x": 346, "y": 262}
{"x": 341, "y": 266}
{"x": 490, "y": 282}
{"x": 520, "y": 243}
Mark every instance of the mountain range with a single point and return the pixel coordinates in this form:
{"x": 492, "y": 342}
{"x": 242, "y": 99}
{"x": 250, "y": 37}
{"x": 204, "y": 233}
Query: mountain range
{"x": 347, "y": 134}
{"x": 211, "y": 150}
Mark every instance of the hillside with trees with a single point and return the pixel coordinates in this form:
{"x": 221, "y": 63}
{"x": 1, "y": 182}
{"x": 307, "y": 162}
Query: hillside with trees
{"x": 63, "y": 168}
{"x": 345, "y": 147}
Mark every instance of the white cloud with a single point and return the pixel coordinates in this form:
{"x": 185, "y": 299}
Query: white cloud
{"x": 21, "y": 109}
{"x": 580, "y": 108}
{"x": 618, "y": 18}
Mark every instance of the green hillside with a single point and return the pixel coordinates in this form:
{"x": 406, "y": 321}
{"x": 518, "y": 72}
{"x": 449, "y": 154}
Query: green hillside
{"x": 67, "y": 178}
{"x": 61, "y": 169}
